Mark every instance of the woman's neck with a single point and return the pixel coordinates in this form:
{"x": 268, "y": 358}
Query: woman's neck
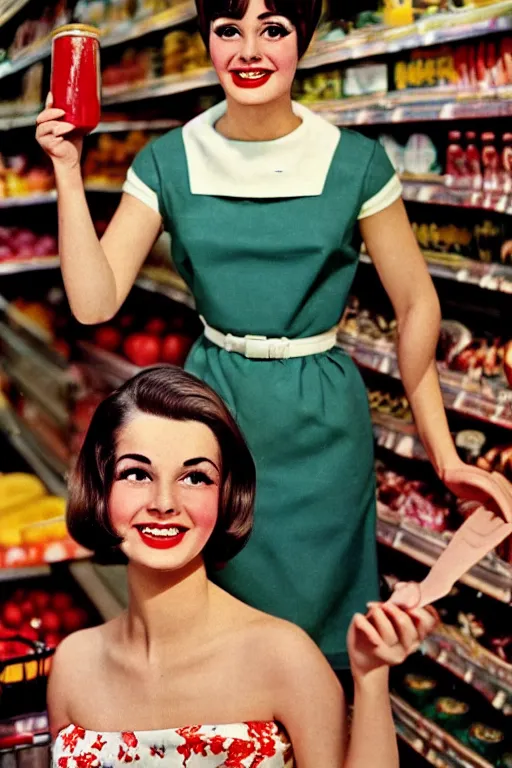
{"x": 264, "y": 122}
{"x": 167, "y": 609}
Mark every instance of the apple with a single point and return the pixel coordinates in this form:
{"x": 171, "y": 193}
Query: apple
{"x": 507, "y": 362}
{"x": 175, "y": 348}
{"x": 39, "y": 598}
{"x": 12, "y": 615}
{"x": 27, "y": 608}
{"x": 107, "y": 337}
{"x": 156, "y": 326}
{"x": 50, "y": 621}
{"x": 61, "y": 601}
{"x": 74, "y": 619}
{"x": 142, "y": 349}
{"x": 52, "y": 639}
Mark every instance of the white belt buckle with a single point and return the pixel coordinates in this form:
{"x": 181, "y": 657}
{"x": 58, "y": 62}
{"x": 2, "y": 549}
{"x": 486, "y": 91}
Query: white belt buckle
{"x": 263, "y": 348}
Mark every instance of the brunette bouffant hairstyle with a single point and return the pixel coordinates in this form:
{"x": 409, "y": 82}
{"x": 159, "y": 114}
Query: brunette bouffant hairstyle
{"x": 304, "y": 15}
{"x": 174, "y": 394}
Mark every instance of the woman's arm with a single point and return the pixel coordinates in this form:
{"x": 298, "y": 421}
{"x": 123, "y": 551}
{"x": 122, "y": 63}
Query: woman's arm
{"x": 97, "y": 275}
{"x": 401, "y": 266}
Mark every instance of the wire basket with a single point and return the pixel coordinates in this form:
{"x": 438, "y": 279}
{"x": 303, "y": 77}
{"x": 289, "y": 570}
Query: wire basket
{"x": 23, "y": 676}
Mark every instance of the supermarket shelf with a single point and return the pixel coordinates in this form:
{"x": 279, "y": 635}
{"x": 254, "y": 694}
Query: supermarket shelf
{"x": 433, "y": 30}
{"x": 9, "y": 9}
{"x": 35, "y": 555}
{"x": 112, "y": 369}
{"x": 438, "y": 747}
{"x": 394, "y": 108}
{"x": 40, "y": 199}
{"x": 492, "y": 576}
{"x": 470, "y": 398}
{"x": 14, "y": 267}
{"x": 397, "y": 436}
{"x": 438, "y": 193}
{"x": 47, "y": 467}
{"x": 36, "y": 52}
{"x": 131, "y": 30}
{"x": 116, "y": 126}
{"x": 162, "y": 86}
{"x": 103, "y": 585}
{"x": 167, "y": 283}
{"x": 469, "y": 661}
{"x": 24, "y": 732}
{"x": 122, "y": 33}
{"x": 18, "y": 121}
{"x": 492, "y": 277}
{"x": 13, "y": 574}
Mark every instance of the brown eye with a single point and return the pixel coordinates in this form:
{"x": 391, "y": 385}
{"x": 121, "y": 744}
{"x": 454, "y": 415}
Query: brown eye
{"x": 276, "y": 31}
{"x": 226, "y": 31}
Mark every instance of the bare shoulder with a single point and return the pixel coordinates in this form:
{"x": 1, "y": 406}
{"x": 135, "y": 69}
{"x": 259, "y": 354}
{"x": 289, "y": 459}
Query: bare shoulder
{"x": 72, "y": 663}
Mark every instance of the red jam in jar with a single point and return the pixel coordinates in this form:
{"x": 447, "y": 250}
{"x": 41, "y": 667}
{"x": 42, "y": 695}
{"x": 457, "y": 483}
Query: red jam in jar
{"x": 75, "y": 79}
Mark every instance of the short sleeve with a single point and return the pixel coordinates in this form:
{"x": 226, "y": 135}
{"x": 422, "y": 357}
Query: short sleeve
{"x": 142, "y": 179}
{"x": 381, "y": 186}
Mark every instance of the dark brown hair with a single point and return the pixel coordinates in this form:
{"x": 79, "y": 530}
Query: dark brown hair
{"x": 173, "y": 394}
{"x": 304, "y": 15}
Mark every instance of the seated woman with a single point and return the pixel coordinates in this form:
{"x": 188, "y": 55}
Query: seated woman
{"x": 189, "y": 676}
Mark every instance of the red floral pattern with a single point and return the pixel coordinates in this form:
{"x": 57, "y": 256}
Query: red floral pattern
{"x": 243, "y": 745}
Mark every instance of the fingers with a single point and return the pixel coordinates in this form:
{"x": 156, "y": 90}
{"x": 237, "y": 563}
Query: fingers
{"x": 426, "y": 619}
{"x": 384, "y": 626}
{"x": 53, "y": 128}
{"x": 406, "y": 595}
{"x": 49, "y": 100}
{"x": 362, "y": 624}
{"x": 49, "y": 114}
{"x": 405, "y": 627}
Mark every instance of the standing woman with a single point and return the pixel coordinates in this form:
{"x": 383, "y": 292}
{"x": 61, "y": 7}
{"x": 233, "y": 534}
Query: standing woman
{"x": 264, "y": 202}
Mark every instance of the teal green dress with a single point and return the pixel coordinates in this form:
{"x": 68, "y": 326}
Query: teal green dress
{"x": 284, "y": 267}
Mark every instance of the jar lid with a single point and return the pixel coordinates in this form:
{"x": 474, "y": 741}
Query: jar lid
{"x": 77, "y": 29}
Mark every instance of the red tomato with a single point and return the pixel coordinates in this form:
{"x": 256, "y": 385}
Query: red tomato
{"x": 52, "y": 639}
{"x": 61, "y": 601}
{"x": 175, "y": 348}
{"x": 12, "y": 615}
{"x": 142, "y": 349}
{"x": 50, "y": 621}
{"x": 74, "y": 619}
{"x": 108, "y": 338}
{"x": 156, "y": 325}
{"x": 39, "y": 599}
{"x": 28, "y": 609}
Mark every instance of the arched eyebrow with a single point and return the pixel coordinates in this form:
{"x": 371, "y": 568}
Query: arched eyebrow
{"x": 199, "y": 460}
{"x": 135, "y": 457}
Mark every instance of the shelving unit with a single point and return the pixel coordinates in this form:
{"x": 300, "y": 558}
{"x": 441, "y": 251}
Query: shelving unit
{"x": 481, "y": 404}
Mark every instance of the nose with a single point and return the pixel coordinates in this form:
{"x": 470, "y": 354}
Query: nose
{"x": 249, "y": 49}
{"x": 163, "y": 501}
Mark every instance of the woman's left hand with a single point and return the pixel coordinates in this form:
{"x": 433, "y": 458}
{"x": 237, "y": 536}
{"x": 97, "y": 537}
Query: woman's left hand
{"x": 492, "y": 491}
{"x": 386, "y": 636}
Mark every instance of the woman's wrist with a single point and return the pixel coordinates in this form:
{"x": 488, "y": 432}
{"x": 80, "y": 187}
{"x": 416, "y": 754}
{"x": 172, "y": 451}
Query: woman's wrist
{"x": 372, "y": 681}
{"x": 68, "y": 176}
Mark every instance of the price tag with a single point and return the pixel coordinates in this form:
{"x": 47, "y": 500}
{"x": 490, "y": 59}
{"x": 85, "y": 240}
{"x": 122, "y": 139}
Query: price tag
{"x": 443, "y": 657}
{"x": 385, "y": 365}
{"x": 425, "y": 193}
{"x": 499, "y": 700}
{"x": 397, "y": 115}
{"x": 447, "y": 112}
{"x": 501, "y": 205}
{"x": 428, "y": 38}
{"x": 362, "y": 117}
{"x": 463, "y": 275}
{"x": 468, "y": 675}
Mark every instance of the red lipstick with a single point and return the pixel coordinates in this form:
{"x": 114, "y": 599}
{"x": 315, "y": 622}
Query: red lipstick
{"x": 160, "y": 541}
{"x": 246, "y": 82}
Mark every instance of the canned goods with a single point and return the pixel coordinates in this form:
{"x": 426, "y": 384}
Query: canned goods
{"x": 75, "y": 78}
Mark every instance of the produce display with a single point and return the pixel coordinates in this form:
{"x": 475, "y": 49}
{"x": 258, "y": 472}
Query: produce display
{"x": 108, "y": 161}
{"x": 480, "y": 238}
{"x": 18, "y": 177}
{"x": 32, "y": 523}
{"x": 20, "y": 243}
{"x": 455, "y": 708}
{"x": 400, "y": 498}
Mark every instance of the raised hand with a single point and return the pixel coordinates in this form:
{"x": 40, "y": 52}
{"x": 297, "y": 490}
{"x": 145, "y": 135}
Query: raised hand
{"x": 474, "y": 484}
{"x": 386, "y": 636}
{"x": 56, "y": 138}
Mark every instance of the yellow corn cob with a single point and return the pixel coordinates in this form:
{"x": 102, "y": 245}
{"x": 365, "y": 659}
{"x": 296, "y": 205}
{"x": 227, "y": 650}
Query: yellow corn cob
{"x": 19, "y": 488}
{"x": 42, "y": 531}
{"x": 12, "y": 522}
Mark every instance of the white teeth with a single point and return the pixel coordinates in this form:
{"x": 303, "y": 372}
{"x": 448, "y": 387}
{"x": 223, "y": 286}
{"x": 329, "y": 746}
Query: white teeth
{"x": 251, "y": 75}
{"x": 163, "y": 532}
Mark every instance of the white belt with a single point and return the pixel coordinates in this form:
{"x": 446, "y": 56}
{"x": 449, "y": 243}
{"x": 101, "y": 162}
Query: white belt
{"x": 263, "y": 348}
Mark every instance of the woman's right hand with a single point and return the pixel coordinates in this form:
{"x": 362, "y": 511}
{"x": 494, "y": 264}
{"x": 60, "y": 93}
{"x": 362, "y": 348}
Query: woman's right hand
{"x": 52, "y": 135}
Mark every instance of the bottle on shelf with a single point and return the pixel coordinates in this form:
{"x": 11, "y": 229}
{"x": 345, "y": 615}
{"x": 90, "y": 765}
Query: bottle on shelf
{"x": 506, "y": 164}
{"x": 473, "y": 161}
{"x": 455, "y": 161}
{"x": 490, "y": 162}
